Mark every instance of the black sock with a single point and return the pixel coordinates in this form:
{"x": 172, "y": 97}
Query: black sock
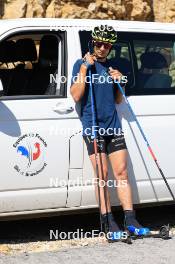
{"x": 109, "y": 220}
{"x": 130, "y": 219}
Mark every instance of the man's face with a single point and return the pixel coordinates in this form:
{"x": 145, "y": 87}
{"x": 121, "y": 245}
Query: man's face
{"x": 101, "y": 49}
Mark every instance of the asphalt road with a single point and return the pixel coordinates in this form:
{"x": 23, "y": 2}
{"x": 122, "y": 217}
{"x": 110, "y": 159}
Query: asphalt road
{"x": 29, "y": 241}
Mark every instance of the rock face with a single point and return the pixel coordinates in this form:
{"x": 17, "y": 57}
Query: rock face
{"x": 144, "y": 10}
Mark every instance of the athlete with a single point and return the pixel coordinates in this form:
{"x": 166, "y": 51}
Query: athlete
{"x": 105, "y": 73}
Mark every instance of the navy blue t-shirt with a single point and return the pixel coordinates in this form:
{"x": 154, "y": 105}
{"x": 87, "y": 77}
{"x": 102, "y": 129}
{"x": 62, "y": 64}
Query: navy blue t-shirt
{"x": 104, "y": 97}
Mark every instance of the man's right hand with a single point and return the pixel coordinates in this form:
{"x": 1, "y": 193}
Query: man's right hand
{"x": 90, "y": 58}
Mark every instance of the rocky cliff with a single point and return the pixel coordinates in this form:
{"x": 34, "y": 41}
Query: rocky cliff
{"x": 145, "y": 10}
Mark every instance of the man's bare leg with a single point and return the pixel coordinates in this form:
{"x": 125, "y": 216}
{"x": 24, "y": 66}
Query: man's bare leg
{"x": 118, "y": 161}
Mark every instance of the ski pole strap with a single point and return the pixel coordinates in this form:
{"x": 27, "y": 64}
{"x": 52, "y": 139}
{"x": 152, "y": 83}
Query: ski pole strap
{"x": 87, "y": 64}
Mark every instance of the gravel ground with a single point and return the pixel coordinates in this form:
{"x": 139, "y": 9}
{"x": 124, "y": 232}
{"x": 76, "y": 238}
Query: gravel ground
{"x": 141, "y": 251}
{"x": 29, "y": 241}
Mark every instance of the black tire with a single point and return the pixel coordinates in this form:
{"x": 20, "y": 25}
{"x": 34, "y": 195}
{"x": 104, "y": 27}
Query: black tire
{"x": 165, "y": 232}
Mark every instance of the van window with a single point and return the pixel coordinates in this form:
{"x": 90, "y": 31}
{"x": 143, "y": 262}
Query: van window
{"x": 32, "y": 65}
{"x": 156, "y": 64}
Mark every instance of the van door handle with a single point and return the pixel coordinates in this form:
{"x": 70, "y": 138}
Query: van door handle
{"x": 62, "y": 109}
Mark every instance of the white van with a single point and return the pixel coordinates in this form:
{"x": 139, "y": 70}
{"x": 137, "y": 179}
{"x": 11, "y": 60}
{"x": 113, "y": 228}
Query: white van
{"x": 44, "y": 166}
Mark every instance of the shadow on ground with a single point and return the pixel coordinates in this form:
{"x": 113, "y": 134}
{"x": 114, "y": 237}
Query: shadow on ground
{"x": 33, "y": 230}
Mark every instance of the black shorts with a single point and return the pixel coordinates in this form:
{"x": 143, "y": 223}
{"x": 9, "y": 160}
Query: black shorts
{"x": 106, "y": 144}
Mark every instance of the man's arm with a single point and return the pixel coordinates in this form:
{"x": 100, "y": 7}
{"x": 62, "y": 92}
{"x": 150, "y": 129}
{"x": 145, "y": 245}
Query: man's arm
{"x": 78, "y": 87}
{"x": 119, "y": 95}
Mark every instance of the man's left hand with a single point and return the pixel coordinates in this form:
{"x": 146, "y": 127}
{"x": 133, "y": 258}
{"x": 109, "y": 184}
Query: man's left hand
{"x": 115, "y": 74}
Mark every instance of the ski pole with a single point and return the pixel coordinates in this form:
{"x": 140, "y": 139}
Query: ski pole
{"x": 148, "y": 145}
{"x": 95, "y": 136}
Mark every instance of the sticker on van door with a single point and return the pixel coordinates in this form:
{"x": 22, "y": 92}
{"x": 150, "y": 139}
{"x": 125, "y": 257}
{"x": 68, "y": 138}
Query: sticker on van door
{"x": 30, "y": 154}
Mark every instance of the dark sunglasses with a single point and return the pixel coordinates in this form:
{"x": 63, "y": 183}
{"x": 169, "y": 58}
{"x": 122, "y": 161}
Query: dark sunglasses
{"x": 98, "y": 44}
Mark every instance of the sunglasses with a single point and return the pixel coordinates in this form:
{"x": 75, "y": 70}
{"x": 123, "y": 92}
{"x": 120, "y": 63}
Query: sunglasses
{"x": 98, "y": 44}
